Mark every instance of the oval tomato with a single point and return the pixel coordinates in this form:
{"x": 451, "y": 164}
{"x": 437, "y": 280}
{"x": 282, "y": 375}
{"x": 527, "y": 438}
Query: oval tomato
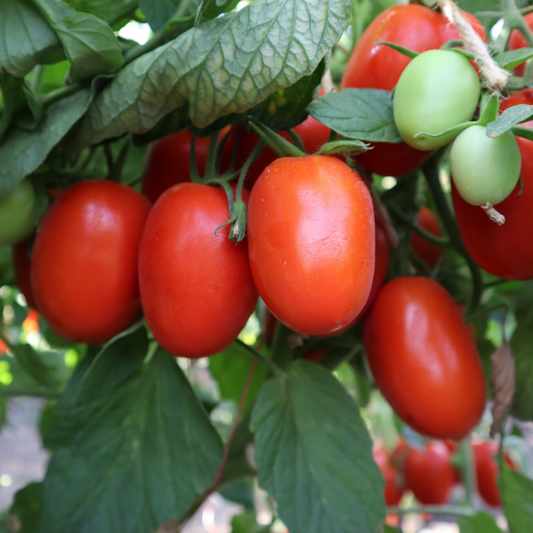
{"x": 517, "y": 40}
{"x": 379, "y": 67}
{"x": 429, "y": 253}
{"x": 429, "y": 474}
{"x": 196, "y": 287}
{"x": 393, "y": 491}
{"x": 426, "y": 365}
{"x": 16, "y": 213}
{"x": 22, "y": 268}
{"x": 84, "y": 264}
{"x": 312, "y": 242}
{"x": 484, "y": 169}
{"x": 504, "y": 251}
{"x": 438, "y": 90}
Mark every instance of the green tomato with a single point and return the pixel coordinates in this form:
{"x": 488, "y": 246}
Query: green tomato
{"x": 485, "y": 169}
{"x": 16, "y": 213}
{"x": 438, "y": 90}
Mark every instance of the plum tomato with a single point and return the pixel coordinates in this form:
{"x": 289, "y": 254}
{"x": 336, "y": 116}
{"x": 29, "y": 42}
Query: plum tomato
{"x": 439, "y": 89}
{"x": 485, "y": 169}
{"x": 84, "y": 263}
{"x": 429, "y": 253}
{"x": 196, "y": 287}
{"x": 312, "y": 242}
{"x": 16, "y": 213}
{"x": 517, "y": 40}
{"x": 426, "y": 365}
{"x": 504, "y": 251}
{"x": 393, "y": 490}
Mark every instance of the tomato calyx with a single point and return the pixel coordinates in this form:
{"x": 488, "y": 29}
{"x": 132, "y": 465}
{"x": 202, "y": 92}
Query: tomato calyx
{"x": 281, "y": 146}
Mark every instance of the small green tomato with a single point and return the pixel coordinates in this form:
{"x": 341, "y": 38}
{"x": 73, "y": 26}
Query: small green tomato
{"x": 439, "y": 89}
{"x": 16, "y": 213}
{"x": 485, "y": 169}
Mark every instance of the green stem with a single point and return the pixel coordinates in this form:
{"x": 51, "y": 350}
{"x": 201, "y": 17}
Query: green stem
{"x": 36, "y": 79}
{"x": 258, "y": 355}
{"x": 431, "y": 172}
{"x": 58, "y": 94}
{"x": 6, "y": 391}
{"x": 468, "y": 472}
{"x": 452, "y": 510}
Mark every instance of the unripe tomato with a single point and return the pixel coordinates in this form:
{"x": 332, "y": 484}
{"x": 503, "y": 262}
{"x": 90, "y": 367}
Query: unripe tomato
{"x": 485, "y": 169}
{"x": 426, "y": 364}
{"x": 84, "y": 264}
{"x": 429, "y": 253}
{"x": 22, "y": 268}
{"x": 487, "y": 471}
{"x": 439, "y": 89}
{"x": 196, "y": 287}
{"x": 312, "y": 242}
{"x": 429, "y": 474}
{"x": 16, "y": 213}
{"x": 379, "y": 67}
{"x": 504, "y": 251}
{"x": 517, "y": 40}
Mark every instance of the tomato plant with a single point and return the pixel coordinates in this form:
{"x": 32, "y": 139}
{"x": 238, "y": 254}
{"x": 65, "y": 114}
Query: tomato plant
{"x": 449, "y": 402}
{"x": 428, "y": 252}
{"x": 298, "y": 229}
{"x": 84, "y": 263}
{"x": 196, "y": 287}
{"x": 517, "y": 40}
{"x": 16, "y": 214}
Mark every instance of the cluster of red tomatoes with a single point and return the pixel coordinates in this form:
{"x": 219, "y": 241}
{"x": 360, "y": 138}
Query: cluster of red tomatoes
{"x": 431, "y": 472}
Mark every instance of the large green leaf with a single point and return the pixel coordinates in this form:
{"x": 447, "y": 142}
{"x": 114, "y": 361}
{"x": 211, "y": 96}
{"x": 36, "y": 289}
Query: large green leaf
{"x": 111, "y": 12}
{"x": 89, "y": 43}
{"x": 517, "y": 500}
{"x": 23, "y": 151}
{"x": 480, "y": 523}
{"x": 26, "y": 508}
{"x": 159, "y": 12}
{"x": 223, "y": 66}
{"x": 522, "y": 345}
{"x": 314, "y": 454}
{"x": 142, "y": 454}
{"x": 26, "y": 38}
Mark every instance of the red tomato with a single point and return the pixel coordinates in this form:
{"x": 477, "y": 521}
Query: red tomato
{"x": 487, "y": 471}
{"x": 379, "y": 67}
{"x": 429, "y": 474}
{"x": 429, "y": 253}
{"x": 517, "y": 40}
{"x": 425, "y": 363}
{"x": 31, "y": 322}
{"x": 504, "y": 251}
{"x": 3, "y": 347}
{"x": 170, "y": 163}
{"x": 316, "y": 355}
{"x": 197, "y": 291}
{"x": 399, "y": 454}
{"x": 393, "y": 491}
{"x": 22, "y": 268}
{"x": 84, "y": 264}
{"x": 312, "y": 242}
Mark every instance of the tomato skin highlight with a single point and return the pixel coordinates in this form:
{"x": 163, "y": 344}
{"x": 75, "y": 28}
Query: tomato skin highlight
{"x": 426, "y": 366}
{"x": 428, "y": 252}
{"x": 84, "y": 264}
{"x": 22, "y": 268}
{"x": 504, "y": 251}
{"x": 312, "y": 242}
{"x": 429, "y": 473}
{"x": 197, "y": 291}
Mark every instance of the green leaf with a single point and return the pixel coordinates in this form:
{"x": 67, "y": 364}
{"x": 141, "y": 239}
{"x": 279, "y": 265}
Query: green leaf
{"x": 223, "y": 66}
{"x": 364, "y": 114}
{"x": 142, "y": 454}
{"x": 216, "y": 7}
{"x": 314, "y": 454}
{"x": 344, "y": 147}
{"x": 517, "y": 500}
{"x": 512, "y": 58}
{"x": 89, "y": 43}
{"x": 453, "y": 131}
{"x": 405, "y": 51}
{"x": 480, "y": 523}
{"x": 109, "y": 11}
{"x": 27, "y": 38}
{"x": 509, "y": 118}
{"x": 523, "y": 351}
{"x": 23, "y": 151}
{"x": 247, "y": 523}
{"x": 27, "y": 508}
{"x": 523, "y": 131}
{"x": 230, "y": 369}
{"x": 159, "y": 12}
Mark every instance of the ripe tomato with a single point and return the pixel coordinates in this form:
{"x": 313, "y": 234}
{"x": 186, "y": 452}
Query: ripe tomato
{"x": 399, "y": 454}
{"x": 428, "y": 252}
{"x": 504, "y": 251}
{"x": 84, "y": 264}
{"x": 393, "y": 491}
{"x": 312, "y": 242}
{"x": 16, "y": 213}
{"x": 429, "y": 473}
{"x": 517, "y": 40}
{"x": 379, "y": 67}
{"x": 426, "y": 366}
{"x": 31, "y": 322}
{"x": 196, "y": 287}
{"x": 438, "y": 90}
{"x": 316, "y": 355}
{"x": 170, "y": 163}
{"x": 487, "y": 471}
{"x": 22, "y": 268}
